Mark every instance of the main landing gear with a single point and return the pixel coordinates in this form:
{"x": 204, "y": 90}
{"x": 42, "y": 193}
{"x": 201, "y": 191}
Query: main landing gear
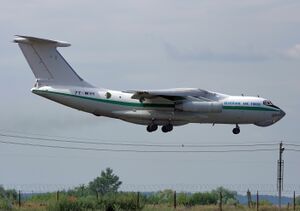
{"x": 152, "y": 128}
{"x": 167, "y": 128}
{"x": 164, "y": 128}
{"x": 236, "y": 130}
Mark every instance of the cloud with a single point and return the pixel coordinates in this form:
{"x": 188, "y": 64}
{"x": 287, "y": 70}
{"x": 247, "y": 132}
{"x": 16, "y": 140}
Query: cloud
{"x": 213, "y": 55}
{"x": 293, "y": 52}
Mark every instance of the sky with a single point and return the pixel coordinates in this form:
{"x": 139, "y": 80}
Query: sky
{"x": 233, "y": 47}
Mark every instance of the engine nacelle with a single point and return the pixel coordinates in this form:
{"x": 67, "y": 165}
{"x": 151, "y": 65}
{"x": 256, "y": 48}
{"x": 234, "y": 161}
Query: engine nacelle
{"x": 202, "y": 107}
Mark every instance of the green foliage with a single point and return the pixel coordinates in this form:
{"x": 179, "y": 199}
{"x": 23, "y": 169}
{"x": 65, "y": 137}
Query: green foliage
{"x": 161, "y": 197}
{"x": 183, "y": 199}
{"x": 166, "y": 196}
{"x": 5, "y": 204}
{"x": 204, "y": 198}
{"x": 153, "y": 199}
{"x": 265, "y": 202}
{"x": 297, "y": 200}
{"x": 64, "y": 205}
{"x": 226, "y": 194}
{"x": 121, "y": 201}
{"x": 42, "y": 198}
{"x": 8, "y": 194}
{"x": 106, "y": 183}
{"x": 117, "y": 201}
{"x": 80, "y": 191}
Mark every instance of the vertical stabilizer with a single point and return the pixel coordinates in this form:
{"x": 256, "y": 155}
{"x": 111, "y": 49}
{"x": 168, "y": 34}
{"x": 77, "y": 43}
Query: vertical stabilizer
{"x": 46, "y": 63}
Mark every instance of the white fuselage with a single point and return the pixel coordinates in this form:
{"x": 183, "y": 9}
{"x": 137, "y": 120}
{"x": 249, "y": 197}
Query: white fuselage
{"x": 120, "y": 105}
{"x": 57, "y": 81}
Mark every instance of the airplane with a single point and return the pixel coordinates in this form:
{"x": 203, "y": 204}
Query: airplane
{"x": 57, "y": 81}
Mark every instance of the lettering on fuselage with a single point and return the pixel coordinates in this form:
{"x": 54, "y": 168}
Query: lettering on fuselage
{"x": 84, "y": 93}
{"x": 232, "y": 103}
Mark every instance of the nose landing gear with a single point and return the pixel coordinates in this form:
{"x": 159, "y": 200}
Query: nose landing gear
{"x": 236, "y": 130}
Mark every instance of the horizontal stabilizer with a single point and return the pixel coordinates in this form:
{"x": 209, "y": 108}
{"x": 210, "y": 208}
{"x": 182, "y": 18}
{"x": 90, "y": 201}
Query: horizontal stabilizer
{"x": 32, "y": 40}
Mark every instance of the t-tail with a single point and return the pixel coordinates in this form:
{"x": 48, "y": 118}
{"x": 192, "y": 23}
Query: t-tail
{"x": 47, "y": 64}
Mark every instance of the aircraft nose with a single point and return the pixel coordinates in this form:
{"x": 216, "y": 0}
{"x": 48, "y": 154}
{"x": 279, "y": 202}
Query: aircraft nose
{"x": 282, "y": 113}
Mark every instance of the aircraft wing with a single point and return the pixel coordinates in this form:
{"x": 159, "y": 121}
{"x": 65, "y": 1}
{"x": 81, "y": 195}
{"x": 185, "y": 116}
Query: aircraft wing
{"x": 178, "y": 94}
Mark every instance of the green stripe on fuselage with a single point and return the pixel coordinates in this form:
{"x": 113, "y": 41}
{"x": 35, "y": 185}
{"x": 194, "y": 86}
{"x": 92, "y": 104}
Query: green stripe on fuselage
{"x": 114, "y": 102}
{"x": 248, "y": 108}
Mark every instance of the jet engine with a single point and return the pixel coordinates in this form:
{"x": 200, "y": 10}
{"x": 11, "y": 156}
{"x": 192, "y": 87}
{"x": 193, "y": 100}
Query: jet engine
{"x": 197, "y": 106}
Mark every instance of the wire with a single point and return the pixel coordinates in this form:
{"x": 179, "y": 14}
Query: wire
{"x": 291, "y": 144}
{"x": 135, "y": 144}
{"x": 293, "y": 150}
{"x": 136, "y": 150}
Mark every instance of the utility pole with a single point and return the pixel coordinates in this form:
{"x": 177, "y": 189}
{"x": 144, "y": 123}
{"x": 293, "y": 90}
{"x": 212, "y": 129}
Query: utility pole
{"x": 294, "y": 201}
{"x": 19, "y": 199}
{"x": 280, "y": 165}
{"x": 257, "y": 201}
{"x": 175, "y": 200}
{"x": 221, "y": 201}
{"x": 138, "y": 201}
{"x": 249, "y": 198}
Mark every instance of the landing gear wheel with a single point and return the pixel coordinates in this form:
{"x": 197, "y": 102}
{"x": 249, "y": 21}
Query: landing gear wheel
{"x": 167, "y": 128}
{"x": 236, "y": 130}
{"x": 152, "y": 128}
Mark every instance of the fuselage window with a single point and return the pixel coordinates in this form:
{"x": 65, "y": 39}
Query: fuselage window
{"x": 108, "y": 95}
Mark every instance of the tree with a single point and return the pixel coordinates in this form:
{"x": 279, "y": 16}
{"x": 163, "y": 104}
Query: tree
{"x": 106, "y": 183}
{"x": 226, "y": 194}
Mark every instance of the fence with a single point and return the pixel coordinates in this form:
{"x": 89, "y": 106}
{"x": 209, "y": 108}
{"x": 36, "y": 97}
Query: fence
{"x": 253, "y": 199}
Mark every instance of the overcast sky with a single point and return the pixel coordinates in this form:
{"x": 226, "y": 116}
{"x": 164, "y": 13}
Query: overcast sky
{"x": 233, "y": 47}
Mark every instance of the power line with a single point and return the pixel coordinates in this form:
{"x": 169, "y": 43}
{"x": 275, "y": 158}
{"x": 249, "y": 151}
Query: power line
{"x": 135, "y": 144}
{"x": 293, "y": 150}
{"x": 291, "y": 144}
{"x": 136, "y": 150}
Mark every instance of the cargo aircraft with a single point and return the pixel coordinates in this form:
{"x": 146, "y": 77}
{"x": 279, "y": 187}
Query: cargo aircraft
{"x": 57, "y": 81}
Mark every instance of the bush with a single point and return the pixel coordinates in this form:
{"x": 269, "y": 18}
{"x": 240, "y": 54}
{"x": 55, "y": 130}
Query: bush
{"x": 119, "y": 201}
{"x": 183, "y": 199}
{"x": 205, "y": 198}
{"x": 5, "y": 204}
{"x": 43, "y": 198}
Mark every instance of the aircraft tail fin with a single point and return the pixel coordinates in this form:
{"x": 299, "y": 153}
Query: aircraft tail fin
{"x": 46, "y": 63}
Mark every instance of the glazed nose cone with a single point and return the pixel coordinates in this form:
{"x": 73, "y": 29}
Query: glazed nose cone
{"x": 282, "y": 113}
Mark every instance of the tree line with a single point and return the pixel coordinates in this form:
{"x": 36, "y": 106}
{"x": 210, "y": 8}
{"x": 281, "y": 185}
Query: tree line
{"x": 102, "y": 193}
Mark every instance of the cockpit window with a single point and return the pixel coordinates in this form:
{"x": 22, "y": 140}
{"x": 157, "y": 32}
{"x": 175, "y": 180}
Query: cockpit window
{"x": 268, "y": 103}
